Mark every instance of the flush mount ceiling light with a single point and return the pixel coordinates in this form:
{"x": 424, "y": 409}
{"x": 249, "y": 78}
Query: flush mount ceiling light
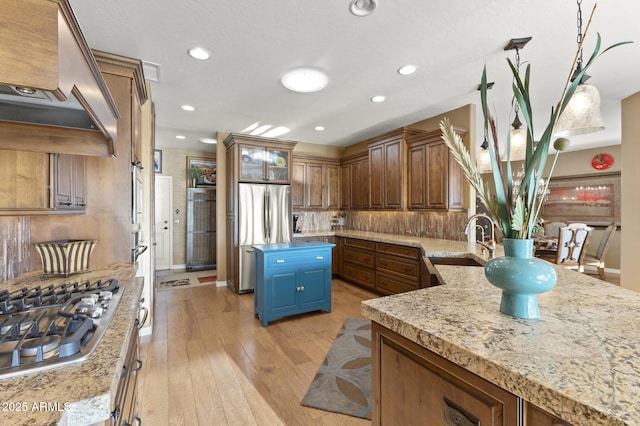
{"x": 407, "y": 70}
{"x": 208, "y": 140}
{"x": 582, "y": 113}
{"x": 378, "y": 99}
{"x": 305, "y": 80}
{"x": 199, "y": 53}
{"x": 363, "y": 7}
{"x": 181, "y": 137}
{"x": 319, "y": 128}
{"x": 276, "y": 131}
{"x": 188, "y": 108}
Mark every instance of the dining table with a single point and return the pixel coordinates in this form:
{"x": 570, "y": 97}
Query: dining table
{"x": 544, "y": 245}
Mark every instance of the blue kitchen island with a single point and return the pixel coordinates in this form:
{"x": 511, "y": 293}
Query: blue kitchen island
{"x": 292, "y": 278}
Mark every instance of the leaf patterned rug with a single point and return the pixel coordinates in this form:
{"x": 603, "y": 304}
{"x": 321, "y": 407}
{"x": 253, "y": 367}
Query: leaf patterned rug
{"x": 343, "y": 381}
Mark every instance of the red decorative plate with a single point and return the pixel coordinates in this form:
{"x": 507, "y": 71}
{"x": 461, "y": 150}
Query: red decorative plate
{"x": 602, "y": 161}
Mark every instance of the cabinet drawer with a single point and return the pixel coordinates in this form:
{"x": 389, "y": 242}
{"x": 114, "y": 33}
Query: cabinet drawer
{"x": 410, "y": 269}
{"x": 360, "y": 257}
{"x": 364, "y": 244}
{"x": 361, "y": 276}
{"x": 404, "y": 251}
{"x": 391, "y": 284}
{"x": 313, "y": 258}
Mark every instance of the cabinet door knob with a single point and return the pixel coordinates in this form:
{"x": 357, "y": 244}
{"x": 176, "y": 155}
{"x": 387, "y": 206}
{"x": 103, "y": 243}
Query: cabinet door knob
{"x": 302, "y": 288}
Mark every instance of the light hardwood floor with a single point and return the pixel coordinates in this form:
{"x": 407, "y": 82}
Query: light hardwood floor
{"x": 210, "y": 362}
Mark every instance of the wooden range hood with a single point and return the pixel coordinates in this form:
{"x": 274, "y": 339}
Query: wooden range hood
{"x": 43, "y": 49}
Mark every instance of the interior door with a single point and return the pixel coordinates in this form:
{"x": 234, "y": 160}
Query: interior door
{"x": 162, "y": 222}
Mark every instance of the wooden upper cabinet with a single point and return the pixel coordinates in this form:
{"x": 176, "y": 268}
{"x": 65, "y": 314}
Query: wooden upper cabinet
{"x": 125, "y": 79}
{"x": 345, "y": 186}
{"x": 315, "y": 183}
{"x": 68, "y": 189}
{"x": 435, "y": 178}
{"x": 358, "y": 170}
{"x": 260, "y": 160}
{"x": 387, "y": 169}
{"x": 24, "y": 181}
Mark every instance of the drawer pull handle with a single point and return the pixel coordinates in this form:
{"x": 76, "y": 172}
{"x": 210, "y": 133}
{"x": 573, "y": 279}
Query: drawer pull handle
{"x": 456, "y": 416}
{"x": 319, "y": 257}
{"x": 279, "y": 260}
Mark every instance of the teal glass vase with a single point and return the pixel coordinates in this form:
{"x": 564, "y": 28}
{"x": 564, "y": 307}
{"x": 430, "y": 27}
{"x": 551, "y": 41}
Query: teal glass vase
{"x": 521, "y": 277}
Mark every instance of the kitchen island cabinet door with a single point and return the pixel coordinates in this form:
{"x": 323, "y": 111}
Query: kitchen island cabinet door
{"x": 411, "y": 384}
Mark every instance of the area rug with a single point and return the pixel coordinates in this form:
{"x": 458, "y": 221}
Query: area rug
{"x": 343, "y": 381}
{"x": 164, "y": 285}
{"x": 207, "y": 279}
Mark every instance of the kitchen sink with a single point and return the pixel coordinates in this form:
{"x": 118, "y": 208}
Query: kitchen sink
{"x": 434, "y": 277}
{"x": 459, "y": 261}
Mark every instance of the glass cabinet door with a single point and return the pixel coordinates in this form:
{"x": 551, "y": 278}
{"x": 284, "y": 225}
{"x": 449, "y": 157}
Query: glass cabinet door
{"x": 252, "y": 163}
{"x": 278, "y": 165}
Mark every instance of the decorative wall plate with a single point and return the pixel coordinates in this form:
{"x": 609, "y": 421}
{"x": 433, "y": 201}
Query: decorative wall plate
{"x": 602, "y": 161}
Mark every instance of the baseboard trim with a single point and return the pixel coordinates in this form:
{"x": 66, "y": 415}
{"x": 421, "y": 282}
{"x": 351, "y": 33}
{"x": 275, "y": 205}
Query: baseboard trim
{"x": 221, "y": 283}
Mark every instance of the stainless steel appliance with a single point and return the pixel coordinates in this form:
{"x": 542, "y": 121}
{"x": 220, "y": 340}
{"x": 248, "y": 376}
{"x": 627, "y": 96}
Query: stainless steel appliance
{"x": 264, "y": 217}
{"x": 50, "y": 326}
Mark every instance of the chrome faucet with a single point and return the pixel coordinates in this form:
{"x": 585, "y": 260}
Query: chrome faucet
{"x": 489, "y": 244}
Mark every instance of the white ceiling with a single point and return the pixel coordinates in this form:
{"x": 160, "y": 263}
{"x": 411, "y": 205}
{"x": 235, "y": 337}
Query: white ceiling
{"x": 253, "y": 42}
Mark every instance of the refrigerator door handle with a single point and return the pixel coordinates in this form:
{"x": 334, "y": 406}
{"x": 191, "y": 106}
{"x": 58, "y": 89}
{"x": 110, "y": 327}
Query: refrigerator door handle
{"x": 265, "y": 224}
{"x": 269, "y": 216}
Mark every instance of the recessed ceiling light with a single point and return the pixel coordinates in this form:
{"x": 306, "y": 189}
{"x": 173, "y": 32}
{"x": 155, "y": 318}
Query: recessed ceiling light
{"x": 363, "y": 7}
{"x": 378, "y": 98}
{"x": 199, "y": 53}
{"x": 305, "y": 80}
{"x": 319, "y": 128}
{"x": 277, "y": 131}
{"x": 208, "y": 140}
{"x": 188, "y": 108}
{"x": 407, "y": 69}
{"x": 181, "y": 137}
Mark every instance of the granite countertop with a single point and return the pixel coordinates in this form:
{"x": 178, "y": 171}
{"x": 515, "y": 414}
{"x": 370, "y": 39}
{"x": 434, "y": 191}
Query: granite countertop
{"x": 81, "y": 393}
{"x": 580, "y": 361}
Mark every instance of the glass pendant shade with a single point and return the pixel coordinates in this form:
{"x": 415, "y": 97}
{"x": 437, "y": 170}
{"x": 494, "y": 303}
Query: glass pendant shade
{"x": 483, "y": 161}
{"x": 582, "y": 114}
{"x": 518, "y": 144}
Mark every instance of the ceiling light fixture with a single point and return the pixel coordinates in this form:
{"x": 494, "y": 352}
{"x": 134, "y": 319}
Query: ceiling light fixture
{"x": 582, "y": 113}
{"x": 188, "y": 108}
{"x": 260, "y": 130}
{"x": 483, "y": 160}
{"x": 208, "y": 140}
{"x": 276, "y": 131}
{"x": 305, "y": 80}
{"x": 181, "y": 137}
{"x": 199, "y": 53}
{"x": 518, "y": 135}
{"x": 407, "y": 70}
{"x": 362, "y": 8}
{"x": 378, "y": 99}
{"x": 319, "y": 128}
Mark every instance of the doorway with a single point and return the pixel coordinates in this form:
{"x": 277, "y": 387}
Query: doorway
{"x": 162, "y": 222}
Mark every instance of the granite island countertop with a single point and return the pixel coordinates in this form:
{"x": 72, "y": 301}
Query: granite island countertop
{"x": 80, "y": 393}
{"x": 580, "y": 361}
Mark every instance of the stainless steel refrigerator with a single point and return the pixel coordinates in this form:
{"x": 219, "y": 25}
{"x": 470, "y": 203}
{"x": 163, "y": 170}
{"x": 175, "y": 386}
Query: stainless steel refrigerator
{"x": 264, "y": 217}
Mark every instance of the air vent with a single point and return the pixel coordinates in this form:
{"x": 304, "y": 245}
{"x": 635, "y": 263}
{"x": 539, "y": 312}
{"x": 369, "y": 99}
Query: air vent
{"x": 151, "y": 71}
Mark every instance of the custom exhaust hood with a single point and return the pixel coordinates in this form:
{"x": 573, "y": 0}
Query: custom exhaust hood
{"x": 52, "y": 95}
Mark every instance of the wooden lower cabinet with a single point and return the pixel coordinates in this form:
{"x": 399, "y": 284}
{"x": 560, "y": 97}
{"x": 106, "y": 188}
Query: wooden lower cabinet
{"x": 413, "y": 386}
{"x": 382, "y": 267}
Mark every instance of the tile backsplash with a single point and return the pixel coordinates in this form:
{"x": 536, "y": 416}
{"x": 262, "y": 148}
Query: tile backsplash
{"x": 15, "y": 252}
{"x": 447, "y": 225}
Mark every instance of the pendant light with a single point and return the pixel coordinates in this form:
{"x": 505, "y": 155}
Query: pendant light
{"x": 518, "y": 134}
{"x": 363, "y": 7}
{"x": 582, "y": 114}
{"x": 483, "y": 159}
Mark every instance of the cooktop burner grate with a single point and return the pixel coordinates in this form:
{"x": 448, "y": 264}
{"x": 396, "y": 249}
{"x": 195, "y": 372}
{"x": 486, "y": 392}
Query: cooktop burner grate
{"x": 46, "y": 327}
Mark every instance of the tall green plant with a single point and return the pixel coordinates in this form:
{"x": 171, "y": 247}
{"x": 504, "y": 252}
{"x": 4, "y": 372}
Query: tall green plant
{"x": 517, "y": 213}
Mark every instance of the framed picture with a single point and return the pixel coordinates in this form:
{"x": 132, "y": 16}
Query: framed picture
{"x": 201, "y": 172}
{"x": 157, "y": 161}
{"x": 590, "y": 199}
